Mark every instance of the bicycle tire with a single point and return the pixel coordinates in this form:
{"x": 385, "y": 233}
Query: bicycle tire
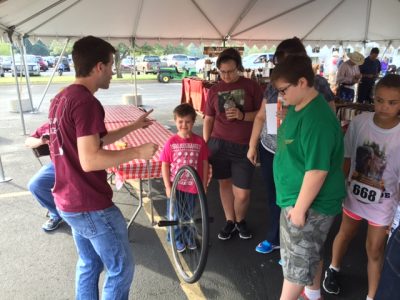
{"x": 193, "y": 226}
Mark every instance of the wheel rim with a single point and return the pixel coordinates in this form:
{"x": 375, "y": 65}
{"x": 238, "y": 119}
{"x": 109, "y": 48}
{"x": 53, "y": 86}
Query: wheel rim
{"x": 190, "y": 210}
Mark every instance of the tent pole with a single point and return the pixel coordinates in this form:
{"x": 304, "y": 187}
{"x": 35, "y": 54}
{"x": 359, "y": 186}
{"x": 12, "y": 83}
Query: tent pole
{"x": 134, "y": 72}
{"x": 10, "y": 33}
{"x": 27, "y": 78}
{"x": 52, "y": 75}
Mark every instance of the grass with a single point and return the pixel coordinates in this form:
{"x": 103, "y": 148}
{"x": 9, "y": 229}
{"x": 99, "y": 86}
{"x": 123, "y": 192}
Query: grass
{"x": 69, "y": 79}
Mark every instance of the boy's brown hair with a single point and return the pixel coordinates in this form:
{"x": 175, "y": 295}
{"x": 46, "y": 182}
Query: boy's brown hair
{"x": 184, "y": 110}
{"x": 292, "y": 68}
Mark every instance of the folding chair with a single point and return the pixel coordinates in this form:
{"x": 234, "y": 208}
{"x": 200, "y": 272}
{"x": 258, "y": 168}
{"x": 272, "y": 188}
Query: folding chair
{"x": 42, "y": 150}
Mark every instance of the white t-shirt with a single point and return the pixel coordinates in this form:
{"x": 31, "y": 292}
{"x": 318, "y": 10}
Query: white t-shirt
{"x": 373, "y": 190}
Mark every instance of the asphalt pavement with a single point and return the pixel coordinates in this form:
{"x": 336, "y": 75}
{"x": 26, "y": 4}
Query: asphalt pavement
{"x": 39, "y": 265}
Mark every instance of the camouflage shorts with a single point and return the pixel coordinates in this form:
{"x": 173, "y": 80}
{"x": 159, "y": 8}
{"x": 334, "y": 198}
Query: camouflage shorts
{"x": 301, "y": 248}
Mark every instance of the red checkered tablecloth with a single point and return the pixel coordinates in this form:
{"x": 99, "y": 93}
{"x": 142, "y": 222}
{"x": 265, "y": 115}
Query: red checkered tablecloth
{"x": 155, "y": 133}
{"x": 121, "y": 113}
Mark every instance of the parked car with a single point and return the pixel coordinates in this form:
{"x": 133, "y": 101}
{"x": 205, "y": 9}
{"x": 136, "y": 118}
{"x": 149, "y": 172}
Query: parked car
{"x": 50, "y": 61}
{"x": 31, "y": 64}
{"x": 65, "y": 64}
{"x": 256, "y": 60}
{"x": 127, "y": 64}
{"x": 42, "y": 63}
{"x": 200, "y": 63}
{"x": 5, "y": 62}
{"x": 179, "y": 61}
{"x": 149, "y": 64}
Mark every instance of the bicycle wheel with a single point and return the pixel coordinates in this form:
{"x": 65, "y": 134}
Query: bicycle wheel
{"x": 189, "y": 233}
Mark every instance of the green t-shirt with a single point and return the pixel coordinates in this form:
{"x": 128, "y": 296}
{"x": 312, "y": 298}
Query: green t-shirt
{"x": 310, "y": 139}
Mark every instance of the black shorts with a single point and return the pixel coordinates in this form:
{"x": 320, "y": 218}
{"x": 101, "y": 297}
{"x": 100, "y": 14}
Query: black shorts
{"x": 229, "y": 160}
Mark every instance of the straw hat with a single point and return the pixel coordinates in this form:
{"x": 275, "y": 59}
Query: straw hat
{"x": 356, "y": 57}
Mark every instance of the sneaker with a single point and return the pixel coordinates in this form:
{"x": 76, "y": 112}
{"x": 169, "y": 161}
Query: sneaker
{"x": 52, "y": 224}
{"x": 303, "y": 296}
{"x": 330, "y": 283}
{"x": 225, "y": 233}
{"x": 244, "y": 233}
{"x": 266, "y": 247}
{"x": 192, "y": 245}
{"x": 180, "y": 247}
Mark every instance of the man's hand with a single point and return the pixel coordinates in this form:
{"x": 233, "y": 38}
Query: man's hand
{"x": 146, "y": 151}
{"x": 297, "y": 217}
{"x": 143, "y": 121}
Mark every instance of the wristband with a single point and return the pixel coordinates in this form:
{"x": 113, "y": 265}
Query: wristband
{"x": 244, "y": 115}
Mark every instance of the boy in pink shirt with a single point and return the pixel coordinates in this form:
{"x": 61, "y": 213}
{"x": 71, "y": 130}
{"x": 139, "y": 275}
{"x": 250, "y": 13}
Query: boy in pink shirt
{"x": 184, "y": 148}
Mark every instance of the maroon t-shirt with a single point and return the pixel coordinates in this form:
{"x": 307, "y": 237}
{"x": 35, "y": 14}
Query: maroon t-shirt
{"x": 75, "y": 112}
{"x": 246, "y": 94}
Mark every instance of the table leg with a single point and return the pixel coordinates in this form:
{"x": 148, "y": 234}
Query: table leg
{"x": 140, "y": 205}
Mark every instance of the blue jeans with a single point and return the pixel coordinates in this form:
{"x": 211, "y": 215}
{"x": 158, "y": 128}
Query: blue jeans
{"x": 101, "y": 239}
{"x": 267, "y": 159}
{"x": 40, "y": 186}
{"x": 389, "y": 283}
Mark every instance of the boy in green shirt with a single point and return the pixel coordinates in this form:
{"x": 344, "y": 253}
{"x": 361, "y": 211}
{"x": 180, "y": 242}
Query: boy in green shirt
{"x": 308, "y": 177}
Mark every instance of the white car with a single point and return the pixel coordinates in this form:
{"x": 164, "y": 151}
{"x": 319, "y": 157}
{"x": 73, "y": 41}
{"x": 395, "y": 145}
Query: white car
{"x": 31, "y": 64}
{"x": 200, "y": 63}
{"x": 179, "y": 60}
{"x": 256, "y": 60}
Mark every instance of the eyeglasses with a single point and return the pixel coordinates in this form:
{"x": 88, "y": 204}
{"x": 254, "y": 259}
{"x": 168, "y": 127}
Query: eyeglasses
{"x": 227, "y": 72}
{"x": 283, "y": 91}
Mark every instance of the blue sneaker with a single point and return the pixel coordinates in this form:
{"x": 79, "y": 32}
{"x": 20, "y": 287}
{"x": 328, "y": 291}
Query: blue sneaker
{"x": 52, "y": 224}
{"x": 266, "y": 247}
{"x": 180, "y": 247}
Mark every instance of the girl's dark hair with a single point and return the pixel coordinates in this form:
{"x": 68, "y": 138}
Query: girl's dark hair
{"x": 230, "y": 54}
{"x": 292, "y": 68}
{"x": 184, "y": 110}
{"x": 89, "y": 51}
{"x": 389, "y": 81}
{"x": 287, "y": 47}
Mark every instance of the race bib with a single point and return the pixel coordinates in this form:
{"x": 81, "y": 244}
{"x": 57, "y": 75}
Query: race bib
{"x": 365, "y": 193}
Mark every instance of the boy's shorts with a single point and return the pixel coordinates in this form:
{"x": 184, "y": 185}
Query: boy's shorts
{"x": 302, "y": 248}
{"x": 229, "y": 160}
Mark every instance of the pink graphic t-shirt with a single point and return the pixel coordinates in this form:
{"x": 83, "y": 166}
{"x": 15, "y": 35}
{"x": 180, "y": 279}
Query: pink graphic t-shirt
{"x": 179, "y": 152}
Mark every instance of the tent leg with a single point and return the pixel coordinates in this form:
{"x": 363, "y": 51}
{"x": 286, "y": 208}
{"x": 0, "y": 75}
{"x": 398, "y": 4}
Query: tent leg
{"x": 17, "y": 85}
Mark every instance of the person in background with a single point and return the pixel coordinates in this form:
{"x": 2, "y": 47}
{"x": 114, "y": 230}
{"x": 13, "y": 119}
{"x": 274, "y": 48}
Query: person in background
{"x": 82, "y": 194}
{"x": 348, "y": 75}
{"x": 372, "y": 166}
{"x": 42, "y": 182}
{"x": 389, "y": 282}
{"x": 230, "y": 110}
{"x": 267, "y": 144}
{"x": 308, "y": 177}
{"x": 384, "y": 65}
{"x": 370, "y": 71}
{"x": 182, "y": 149}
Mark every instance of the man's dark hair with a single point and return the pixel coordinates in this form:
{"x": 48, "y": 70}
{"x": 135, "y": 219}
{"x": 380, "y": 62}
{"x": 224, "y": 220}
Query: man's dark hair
{"x": 374, "y": 51}
{"x": 184, "y": 110}
{"x": 292, "y": 68}
{"x": 389, "y": 81}
{"x": 89, "y": 51}
{"x": 230, "y": 54}
{"x": 292, "y": 46}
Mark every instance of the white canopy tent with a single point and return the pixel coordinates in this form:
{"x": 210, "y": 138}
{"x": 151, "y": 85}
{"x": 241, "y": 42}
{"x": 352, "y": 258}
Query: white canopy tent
{"x": 252, "y": 22}
{"x": 218, "y": 22}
